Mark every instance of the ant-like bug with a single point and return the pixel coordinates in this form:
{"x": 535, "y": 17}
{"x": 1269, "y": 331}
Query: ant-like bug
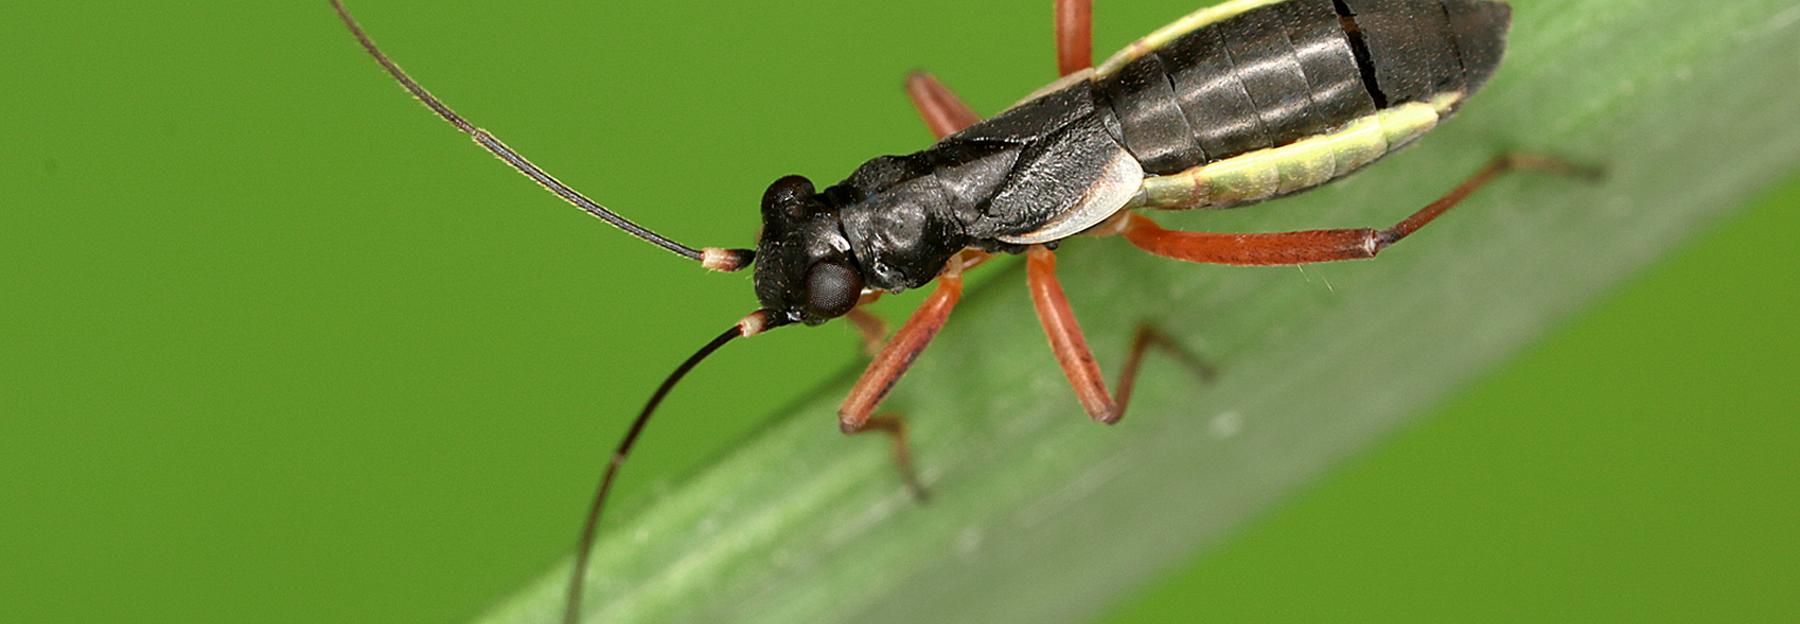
{"x": 1230, "y": 105}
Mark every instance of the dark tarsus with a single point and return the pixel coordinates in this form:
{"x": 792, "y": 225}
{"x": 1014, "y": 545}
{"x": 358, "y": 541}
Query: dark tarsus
{"x": 1268, "y": 77}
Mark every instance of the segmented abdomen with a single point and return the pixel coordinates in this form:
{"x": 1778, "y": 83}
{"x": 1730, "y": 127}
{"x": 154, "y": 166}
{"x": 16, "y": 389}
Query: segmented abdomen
{"x": 1283, "y": 71}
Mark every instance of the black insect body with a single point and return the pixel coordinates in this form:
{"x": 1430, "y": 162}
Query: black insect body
{"x": 1232, "y": 104}
{"x": 1270, "y": 76}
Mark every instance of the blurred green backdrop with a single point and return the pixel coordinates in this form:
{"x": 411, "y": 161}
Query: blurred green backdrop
{"x": 279, "y": 346}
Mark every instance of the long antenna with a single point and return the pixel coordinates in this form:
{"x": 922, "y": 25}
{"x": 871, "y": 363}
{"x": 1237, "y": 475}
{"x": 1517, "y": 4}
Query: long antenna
{"x": 756, "y": 323}
{"x": 714, "y": 258}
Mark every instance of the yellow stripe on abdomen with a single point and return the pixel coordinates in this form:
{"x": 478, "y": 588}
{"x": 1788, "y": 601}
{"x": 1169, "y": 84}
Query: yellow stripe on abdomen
{"x": 1268, "y": 173}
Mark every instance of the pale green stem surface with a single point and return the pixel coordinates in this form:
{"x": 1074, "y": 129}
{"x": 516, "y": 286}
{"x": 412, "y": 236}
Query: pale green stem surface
{"x": 1039, "y": 515}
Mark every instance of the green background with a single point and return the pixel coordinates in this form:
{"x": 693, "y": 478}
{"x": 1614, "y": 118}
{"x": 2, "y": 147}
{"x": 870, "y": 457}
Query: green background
{"x": 279, "y": 346}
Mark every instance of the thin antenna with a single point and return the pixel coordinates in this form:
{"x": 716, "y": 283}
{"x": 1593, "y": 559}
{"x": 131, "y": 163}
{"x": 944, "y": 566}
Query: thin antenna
{"x": 758, "y": 322}
{"x": 717, "y": 259}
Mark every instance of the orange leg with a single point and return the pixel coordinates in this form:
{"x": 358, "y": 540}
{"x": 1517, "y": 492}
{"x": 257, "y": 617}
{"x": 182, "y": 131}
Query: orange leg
{"x": 873, "y": 330}
{"x": 895, "y": 356}
{"x": 1074, "y": 35}
{"x": 944, "y": 113}
{"x": 1072, "y": 350}
{"x": 900, "y": 351}
{"x": 1281, "y": 248}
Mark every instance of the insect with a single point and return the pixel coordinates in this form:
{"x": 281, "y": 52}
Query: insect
{"x": 1230, "y": 105}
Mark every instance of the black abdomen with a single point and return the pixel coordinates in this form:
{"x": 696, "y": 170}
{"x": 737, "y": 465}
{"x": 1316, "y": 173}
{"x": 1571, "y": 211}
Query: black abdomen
{"x": 1293, "y": 69}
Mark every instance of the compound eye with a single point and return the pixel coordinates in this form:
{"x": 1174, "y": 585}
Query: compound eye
{"x": 831, "y": 290}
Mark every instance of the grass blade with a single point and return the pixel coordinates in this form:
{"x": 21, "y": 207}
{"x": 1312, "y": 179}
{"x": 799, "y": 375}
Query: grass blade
{"x": 1040, "y": 515}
